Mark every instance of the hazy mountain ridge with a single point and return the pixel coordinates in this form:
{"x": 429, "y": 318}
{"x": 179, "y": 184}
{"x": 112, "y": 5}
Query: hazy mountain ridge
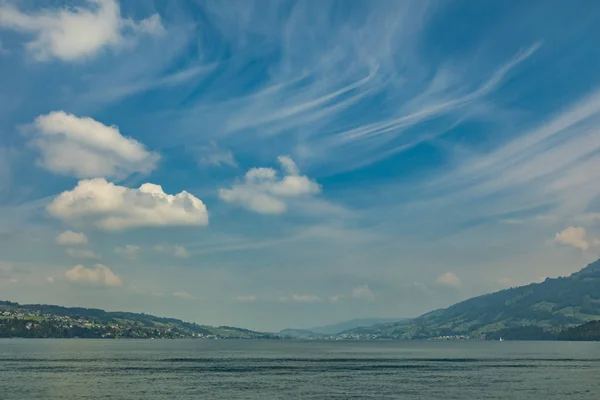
{"x": 299, "y": 334}
{"x": 332, "y": 329}
{"x": 551, "y": 306}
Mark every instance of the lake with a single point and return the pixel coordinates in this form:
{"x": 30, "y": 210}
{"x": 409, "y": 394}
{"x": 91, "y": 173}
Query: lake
{"x": 236, "y": 369}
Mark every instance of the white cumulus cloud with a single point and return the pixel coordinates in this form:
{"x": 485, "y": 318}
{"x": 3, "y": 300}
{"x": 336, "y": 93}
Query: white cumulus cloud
{"x": 573, "y": 236}
{"x": 113, "y": 207}
{"x": 263, "y": 191}
{"x": 70, "y": 238}
{"x": 85, "y": 148}
{"x": 174, "y": 250}
{"x": 448, "y": 279}
{"x": 82, "y": 253}
{"x": 129, "y": 250}
{"x": 97, "y": 275}
{"x": 73, "y": 33}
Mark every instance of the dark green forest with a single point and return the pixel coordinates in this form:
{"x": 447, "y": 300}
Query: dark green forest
{"x": 585, "y": 332}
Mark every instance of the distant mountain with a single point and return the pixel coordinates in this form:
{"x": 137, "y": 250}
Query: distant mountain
{"x": 299, "y": 334}
{"x": 50, "y": 321}
{"x": 339, "y": 327}
{"x": 533, "y": 311}
{"x": 327, "y": 331}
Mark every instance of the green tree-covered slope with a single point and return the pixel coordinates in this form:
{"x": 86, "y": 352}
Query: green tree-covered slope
{"x": 49, "y": 321}
{"x": 534, "y": 311}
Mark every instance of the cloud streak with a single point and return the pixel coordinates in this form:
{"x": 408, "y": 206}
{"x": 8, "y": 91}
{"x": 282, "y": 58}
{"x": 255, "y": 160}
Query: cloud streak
{"x": 314, "y": 95}
{"x": 184, "y": 295}
{"x": 548, "y": 166}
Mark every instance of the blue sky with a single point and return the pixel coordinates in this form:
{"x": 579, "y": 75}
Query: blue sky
{"x": 270, "y": 164}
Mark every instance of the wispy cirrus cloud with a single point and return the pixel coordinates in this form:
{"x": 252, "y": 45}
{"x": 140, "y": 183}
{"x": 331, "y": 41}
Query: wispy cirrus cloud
{"x": 548, "y": 166}
{"x": 184, "y": 295}
{"x": 305, "y": 298}
{"x": 321, "y": 73}
{"x": 313, "y": 97}
{"x": 215, "y": 156}
{"x": 3, "y": 50}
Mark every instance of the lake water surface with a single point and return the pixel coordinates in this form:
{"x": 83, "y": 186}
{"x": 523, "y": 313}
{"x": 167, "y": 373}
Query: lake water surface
{"x": 230, "y": 369}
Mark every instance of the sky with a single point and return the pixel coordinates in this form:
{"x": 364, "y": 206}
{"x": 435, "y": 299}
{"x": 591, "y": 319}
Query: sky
{"x": 275, "y": 164}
